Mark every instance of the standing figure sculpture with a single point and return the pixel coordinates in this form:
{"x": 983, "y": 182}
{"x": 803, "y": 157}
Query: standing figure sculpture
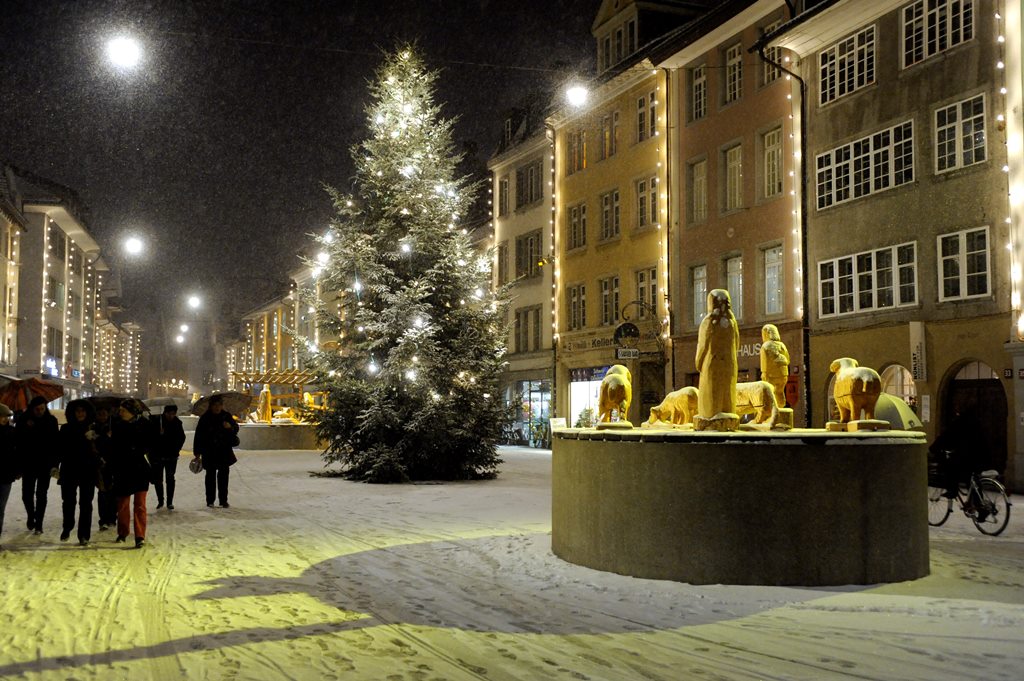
{"x": 717, "y": 346}
{"x": 774, "y": 361}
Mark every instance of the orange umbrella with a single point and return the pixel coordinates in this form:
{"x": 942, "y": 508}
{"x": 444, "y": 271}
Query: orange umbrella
{"x": 18, "y": 393}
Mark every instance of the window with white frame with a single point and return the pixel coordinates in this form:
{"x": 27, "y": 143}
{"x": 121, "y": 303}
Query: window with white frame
{"x": 528, "y": 183}
{"x": 773, "y": 280}
{"x": 872, "y": 280}
{"x": 577, "y": 226}
{"x": 576, "y": 304}
{"x": 770, "y": 72}
{"x": 502, "y": 264}
{"x": 54, "y": 342}
{"x": 699, "y": 92}
{"x": 699, "y": 291}
{"x": 734, "y": 178}
{"x": 606, "y": 137}
{"x": 526, "y": 330}
{"x": 609, "y": 300}
{"x": 963, "y": 264}
{"x": 630, "y": 36}
{"x": 652, "y": 114}
{"x": 641, "y": 119}
{"x": 847, "y": 66}
{"x": 610, "y": 216}
{"x": 871, "y": 164}
{"x": 699, "y": 191}
{"x": 528, "y": 254}
{"x": 960, "y": 134}
{"x": 772, "y": 146}
{"x": 733, "y": 73}
{"x": 646, "y": 202}
{"x": 734, "y": 284}
{"x": 503, "y": 196}
{"x": 576, "y": 151}
{"x": 934, "y": 26}
{"x": 647, "y": 291}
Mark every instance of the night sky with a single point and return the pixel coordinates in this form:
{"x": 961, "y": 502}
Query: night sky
{"x": 215, "y": 148}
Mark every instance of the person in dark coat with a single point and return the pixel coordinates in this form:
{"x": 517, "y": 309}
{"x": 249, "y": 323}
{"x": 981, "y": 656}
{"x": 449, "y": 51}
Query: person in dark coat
{"x": 216, "y": 434}
{"x": 130, "y": 440}
{"x": 38, "y": 448}
{"x": 961, "y": 449}
{"x": 106, "y": 502}
{"x": 169, "y": 434}
{"x": 79, "y": 466}
{"x": 10, "y": 466}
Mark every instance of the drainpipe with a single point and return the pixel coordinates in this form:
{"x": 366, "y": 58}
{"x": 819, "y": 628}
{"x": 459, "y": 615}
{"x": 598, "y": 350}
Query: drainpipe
{"x": 806, "y": 296}
{"x": 669, "y": 127}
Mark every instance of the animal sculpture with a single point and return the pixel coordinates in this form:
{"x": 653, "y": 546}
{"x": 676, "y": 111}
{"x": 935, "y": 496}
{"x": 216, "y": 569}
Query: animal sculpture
{"x": 856, "y": 389}
{"x": 758, "y": 398}
{"x": 616, "y": 393}
{"x": 678, "y": 407}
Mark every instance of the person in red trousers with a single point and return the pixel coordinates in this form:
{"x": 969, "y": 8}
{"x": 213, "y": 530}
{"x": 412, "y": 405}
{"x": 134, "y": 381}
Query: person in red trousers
{"x": 131, "y": 441}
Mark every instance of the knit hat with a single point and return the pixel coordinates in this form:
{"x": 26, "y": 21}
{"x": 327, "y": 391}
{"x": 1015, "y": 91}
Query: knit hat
{"x": 5, "y": 410}
{"x": 130, "y": 405}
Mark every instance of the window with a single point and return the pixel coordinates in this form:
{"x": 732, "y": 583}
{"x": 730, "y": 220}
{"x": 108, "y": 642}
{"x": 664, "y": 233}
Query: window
{"x": 939, "y": 26}
{"x": 631, "y": 36}
{"x": 652, "y": 115}
{"x": 699, "y": 288}
{"x": 733, "y": 73}
{"x": 734, "y": 178}
{"x": 609, "y": 134}
{"x": 74, "y": 306}
{"x": 528, "y": 254}
{"x": 963, "y": 264}
{"x": 576, "y": 151}
{"x": 521, "y": 334}
{"x": 55, "y": 292}
{"x": 502, "y": 265}
{"x": 606, "y": 55}
{"x": 528, "y": 184}
{"x": 960, "y": 134}
{"x": 772, "y": 145}
{"x": 699, "y": 92}
{"x": 54, "y": 342}
{"x": 74, "y": 350}
{"x": 699, "y": 191}
{"x": 847, "y": 66}
{"x": 646, "y": 202}
{"x": 872, "y": 280}
{"x": 610, "y": 226}
{"x": 577, "y": 306}
{"x": 577, "y": 226}
{"x": 770, "y": 73}
{"x": 647, "y": 292}
{"x": 773, "y": 280}
{"x": 535, "y": 322}
{"x": 609, "y": 300}
{"x": 868, "y": 165}
{"x": 57, "y": 242}
{"x": 641, "y": 119}
{"x": 619, "y": 44}
{"x": 734, "y": 284}
{"x": 503, "y": 196}
{"x": 75, "y": 260}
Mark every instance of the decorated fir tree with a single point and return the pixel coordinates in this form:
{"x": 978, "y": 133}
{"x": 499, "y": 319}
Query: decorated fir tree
{"x": 413, "y": 384}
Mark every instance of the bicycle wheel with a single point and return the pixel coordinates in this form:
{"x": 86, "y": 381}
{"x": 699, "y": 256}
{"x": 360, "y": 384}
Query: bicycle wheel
{"x": 994, "y": 513}
{"x": 939, "y": 507}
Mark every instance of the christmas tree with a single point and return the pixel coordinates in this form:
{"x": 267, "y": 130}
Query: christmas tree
{"x": 413, "y": 382}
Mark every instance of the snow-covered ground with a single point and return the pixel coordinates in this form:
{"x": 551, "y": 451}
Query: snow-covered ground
{"x": 319, "y": 578}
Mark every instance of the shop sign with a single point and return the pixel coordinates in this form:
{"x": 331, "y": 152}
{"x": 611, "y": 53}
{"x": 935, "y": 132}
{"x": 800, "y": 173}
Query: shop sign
{"x": 588, "y": 374}
{"x": 792, "y": 390}
{"x": 750, "y": 350}
{"x": 918, "y": 352}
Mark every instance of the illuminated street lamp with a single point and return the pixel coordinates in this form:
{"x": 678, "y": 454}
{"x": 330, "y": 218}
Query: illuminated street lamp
{"x": 183, "y": 328}
{"x": 133, "y": 245}
{"x": 179, "y": 339}
{"x": 194, "y": 302}
{"x": 577, "y": 95}
{"x": 124, "y": 52}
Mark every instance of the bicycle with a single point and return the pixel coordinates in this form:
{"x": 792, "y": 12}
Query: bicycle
{"x": 985, "y": 503}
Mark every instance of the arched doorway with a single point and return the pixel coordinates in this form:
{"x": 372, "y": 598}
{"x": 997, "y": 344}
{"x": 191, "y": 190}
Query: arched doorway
{"x": 975, "y": 386}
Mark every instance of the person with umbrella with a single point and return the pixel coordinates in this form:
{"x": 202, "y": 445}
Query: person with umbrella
{"x": 106, "y": 502}
{"x": 131, "y": 439}
{"x": 10, "y": 467}
{"x": 169, "y": 434}
{"x": 37, "y": 446}
{"x": 79, "y": 466}
{"x": 216, "y": 434}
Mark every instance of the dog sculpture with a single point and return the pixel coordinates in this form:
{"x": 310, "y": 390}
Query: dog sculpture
{"x": 857, "y": 389}
{"x": 616, "y": 393}
{"x": 758, "y": 398}
{"x": 678, "y": 407}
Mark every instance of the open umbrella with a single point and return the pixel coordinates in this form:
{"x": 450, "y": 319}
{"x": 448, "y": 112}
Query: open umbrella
{"x": 234, "y": 403}
{"x": 112, "y": 402}
{"x": 156, "y": 404}
{"x": 18, "y": 393}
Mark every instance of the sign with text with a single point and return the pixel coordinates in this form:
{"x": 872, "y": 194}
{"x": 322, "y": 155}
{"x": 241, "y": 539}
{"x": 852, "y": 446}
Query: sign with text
{"x": 918, "y": 352}
{"x": 627, "y": 353}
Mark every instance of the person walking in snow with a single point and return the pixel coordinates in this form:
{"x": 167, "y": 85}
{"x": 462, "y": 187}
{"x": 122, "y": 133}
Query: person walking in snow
{"x": 37, "y": 447}
{"x": 130, "y": 440}
{"x": 79, "y": 466}
{"x": 10, "y": 466}
{"x": 106, "y": 502}
{"x": 169, "y": 436}
{"x": 216, "y": 434}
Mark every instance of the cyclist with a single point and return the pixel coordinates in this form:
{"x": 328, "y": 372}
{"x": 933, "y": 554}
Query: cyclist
{"x": 961, "y": 449}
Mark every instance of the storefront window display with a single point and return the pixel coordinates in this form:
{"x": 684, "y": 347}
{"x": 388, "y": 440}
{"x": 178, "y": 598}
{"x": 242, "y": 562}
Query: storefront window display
{"x": 531, "y": 424}
{"x": 584, "y": 391}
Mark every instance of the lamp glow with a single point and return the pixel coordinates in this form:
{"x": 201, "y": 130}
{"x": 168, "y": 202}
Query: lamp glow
{"x": 124, "y": 52}
{"x": 577, "y": 95}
